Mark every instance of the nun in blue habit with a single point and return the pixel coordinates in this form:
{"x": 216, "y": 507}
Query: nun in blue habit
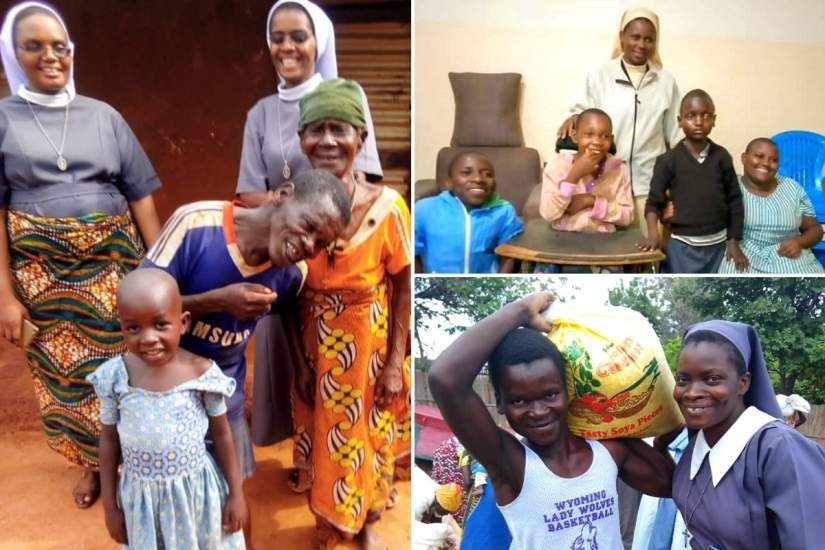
{"x": 747, "y": 480}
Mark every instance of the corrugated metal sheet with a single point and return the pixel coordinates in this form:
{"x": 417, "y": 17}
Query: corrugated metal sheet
{"x": 377, "y": 55}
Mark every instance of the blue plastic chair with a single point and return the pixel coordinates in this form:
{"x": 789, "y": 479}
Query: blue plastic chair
{"x": 802, "y": 157}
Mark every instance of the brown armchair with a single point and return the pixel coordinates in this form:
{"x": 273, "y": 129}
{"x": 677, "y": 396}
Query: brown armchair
{"x": 487, "y": 122}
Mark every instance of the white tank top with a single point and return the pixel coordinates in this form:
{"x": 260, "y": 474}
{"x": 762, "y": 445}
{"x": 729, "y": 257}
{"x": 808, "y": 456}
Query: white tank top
{"x": 557, "y": 513}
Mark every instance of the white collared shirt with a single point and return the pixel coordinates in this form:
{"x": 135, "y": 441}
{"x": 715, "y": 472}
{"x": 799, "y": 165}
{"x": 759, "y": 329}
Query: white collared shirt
{"x": 727, "y": 450}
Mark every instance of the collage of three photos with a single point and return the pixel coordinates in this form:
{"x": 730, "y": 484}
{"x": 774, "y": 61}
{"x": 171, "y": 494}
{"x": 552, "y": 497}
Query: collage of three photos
{"x": 431, "y": 275}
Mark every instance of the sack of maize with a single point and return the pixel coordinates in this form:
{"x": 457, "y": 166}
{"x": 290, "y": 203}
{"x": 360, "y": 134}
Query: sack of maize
{"x": 618, "y": 380}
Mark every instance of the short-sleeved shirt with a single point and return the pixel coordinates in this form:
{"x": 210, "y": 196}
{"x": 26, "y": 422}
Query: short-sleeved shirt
{"x": 197, "y": 247}
{"x": 271, "y": 133}
{"x": 769, "y": 221}
{"x": 451, "y": 239}
{"x": 379, "y": 247}
{"x": 107, "y": 167}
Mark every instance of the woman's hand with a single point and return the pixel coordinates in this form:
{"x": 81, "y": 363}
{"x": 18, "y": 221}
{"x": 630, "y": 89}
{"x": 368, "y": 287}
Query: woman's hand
{"x": 389, "y": 384}
{"x": 567, "y": 127}
{"x": 235, "y": 514}
{"x": 790, "y": 248}
{"x": 12, "y": 313}
{"x": 116, "y": 525}
{"x": 734, "y": 254}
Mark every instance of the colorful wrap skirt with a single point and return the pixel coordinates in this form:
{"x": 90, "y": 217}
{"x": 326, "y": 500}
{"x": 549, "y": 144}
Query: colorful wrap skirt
{"x": 66, "y": 272}
{"x": 348, "y": 441}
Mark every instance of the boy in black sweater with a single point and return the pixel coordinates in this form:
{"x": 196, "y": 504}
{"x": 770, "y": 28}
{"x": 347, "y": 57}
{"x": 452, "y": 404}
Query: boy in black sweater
{"x": 699, "y": 177}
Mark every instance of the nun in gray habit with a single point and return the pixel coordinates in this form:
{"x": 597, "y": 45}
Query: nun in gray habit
{"x": 746, "y": 480}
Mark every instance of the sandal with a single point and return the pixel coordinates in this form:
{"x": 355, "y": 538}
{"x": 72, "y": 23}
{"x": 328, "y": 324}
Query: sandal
{"x": 86, "y": 493}
{"x": 298, "y": 480}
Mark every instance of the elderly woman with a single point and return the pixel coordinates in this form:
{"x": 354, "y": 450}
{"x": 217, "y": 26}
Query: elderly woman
{"x": 641, "y": 98}
{"x": 741, "y": 457}
{"x": 301, "y": 44}
{"x": 780, "y": 222}
{"x": 76, "y": 213}
{"x": 354, "y": 313}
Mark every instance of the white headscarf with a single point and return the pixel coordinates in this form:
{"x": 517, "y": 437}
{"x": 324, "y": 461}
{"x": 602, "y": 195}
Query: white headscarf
{"x": 326, "y": 63}
{"x": 632, "y": 15}
{"x": 14, "y": 72}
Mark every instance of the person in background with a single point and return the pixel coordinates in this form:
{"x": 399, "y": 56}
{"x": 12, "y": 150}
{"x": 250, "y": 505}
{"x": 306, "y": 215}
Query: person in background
{"x": 795, "y": 409}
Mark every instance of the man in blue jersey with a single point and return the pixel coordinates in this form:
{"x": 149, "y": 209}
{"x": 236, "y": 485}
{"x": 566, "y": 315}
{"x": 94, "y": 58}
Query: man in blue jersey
{"x": 233, "y": 264}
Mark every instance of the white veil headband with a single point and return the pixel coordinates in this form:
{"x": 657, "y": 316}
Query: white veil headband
{"x": 632, "y": 15}
{"x": 325, "y": 61}
{"x": 14, "y": 72}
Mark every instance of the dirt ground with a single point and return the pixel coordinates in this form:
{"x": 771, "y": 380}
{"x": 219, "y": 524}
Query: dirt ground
{"x": 37, "y": 511}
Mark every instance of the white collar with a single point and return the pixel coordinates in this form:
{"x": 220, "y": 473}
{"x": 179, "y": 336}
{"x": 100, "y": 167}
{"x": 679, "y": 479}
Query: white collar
{"x": 46, "y": 100}
{"x": 730, "y": 445}
{"x": 297, "y": 92}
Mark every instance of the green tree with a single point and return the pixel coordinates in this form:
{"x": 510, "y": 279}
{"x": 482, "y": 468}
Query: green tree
{"x": 787, "y": 314}
{"x": 647, "y": 296}
{"x": 454, "y": 303}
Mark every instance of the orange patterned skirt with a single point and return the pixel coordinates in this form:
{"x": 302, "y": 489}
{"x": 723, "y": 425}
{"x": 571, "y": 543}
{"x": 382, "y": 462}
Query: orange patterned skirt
{"x": 348, "y": 441}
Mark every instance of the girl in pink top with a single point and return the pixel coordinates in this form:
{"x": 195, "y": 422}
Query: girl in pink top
{"x": 588, "y": 191}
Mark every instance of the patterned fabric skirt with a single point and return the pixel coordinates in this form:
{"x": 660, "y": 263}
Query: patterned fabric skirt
{"x": 348, "y": 441}
{"x": 66, "y": 272}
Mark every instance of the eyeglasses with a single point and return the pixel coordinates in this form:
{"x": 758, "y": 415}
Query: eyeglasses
{"x": 60, "y": 51}
{"x": 297, "y": 37}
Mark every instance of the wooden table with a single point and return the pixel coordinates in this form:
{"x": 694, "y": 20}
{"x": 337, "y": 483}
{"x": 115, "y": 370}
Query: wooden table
{"x": 540, "y": 243}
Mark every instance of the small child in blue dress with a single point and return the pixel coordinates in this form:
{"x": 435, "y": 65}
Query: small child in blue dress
{"x": 156, "y": 403}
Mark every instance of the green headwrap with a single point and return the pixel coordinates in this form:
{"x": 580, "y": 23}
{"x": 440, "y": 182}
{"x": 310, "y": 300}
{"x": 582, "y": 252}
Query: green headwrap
{"x": 337, "y": 98}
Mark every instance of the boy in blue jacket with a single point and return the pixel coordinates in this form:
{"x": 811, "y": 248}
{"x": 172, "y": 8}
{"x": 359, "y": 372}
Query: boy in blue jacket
{"x": 458, "y": 230}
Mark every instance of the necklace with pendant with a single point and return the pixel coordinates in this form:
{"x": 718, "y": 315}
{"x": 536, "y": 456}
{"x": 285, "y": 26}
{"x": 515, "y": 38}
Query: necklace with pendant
{"x": 686, "y": 532}
{"x": 62, "y": 164}
{"x": 286, "y": 172}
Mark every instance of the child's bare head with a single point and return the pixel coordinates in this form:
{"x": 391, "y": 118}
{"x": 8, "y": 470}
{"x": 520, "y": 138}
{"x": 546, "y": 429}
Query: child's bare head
{"x": 594, "y": 132}
{"x": 471, "y": 178}
{"x": 150, "y": 310}
{"x": 697, "y": 115}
